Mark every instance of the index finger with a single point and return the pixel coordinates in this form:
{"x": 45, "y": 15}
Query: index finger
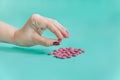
{"x": 56, "y": 31}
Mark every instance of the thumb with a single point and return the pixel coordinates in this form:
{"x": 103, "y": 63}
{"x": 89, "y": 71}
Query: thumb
{"x": 47, "y": 41}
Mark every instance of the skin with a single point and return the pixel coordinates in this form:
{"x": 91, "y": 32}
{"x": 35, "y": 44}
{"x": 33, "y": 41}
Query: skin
{"x": 31, "y": 33}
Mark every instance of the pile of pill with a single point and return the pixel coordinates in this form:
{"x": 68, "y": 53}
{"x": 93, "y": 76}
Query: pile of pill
{"x": 66, "y": 52}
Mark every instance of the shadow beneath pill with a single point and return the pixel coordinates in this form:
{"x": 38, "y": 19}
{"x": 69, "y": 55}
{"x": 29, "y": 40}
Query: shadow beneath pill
{"x": 22, "y": 50}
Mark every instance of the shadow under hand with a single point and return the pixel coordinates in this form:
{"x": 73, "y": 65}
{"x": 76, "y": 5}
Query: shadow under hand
{"x": 23, "y": 50}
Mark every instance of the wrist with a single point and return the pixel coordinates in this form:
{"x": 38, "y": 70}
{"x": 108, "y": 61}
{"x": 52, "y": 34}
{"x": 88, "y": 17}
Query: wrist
{"x": 14, "y": 38}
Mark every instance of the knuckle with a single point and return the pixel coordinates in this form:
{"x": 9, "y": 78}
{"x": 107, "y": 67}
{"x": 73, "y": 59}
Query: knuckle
{"x": 52, "y": 20}
{"x": 54, "y": 31}
{"x": 34, "y": 17}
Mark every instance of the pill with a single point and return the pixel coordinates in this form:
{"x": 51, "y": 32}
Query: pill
{"x": 63, "y": 57}
{"x": 82, "y": 51}
{"x": 55, "y": 53}
{"x": 76, "y": 50}
{"x": 50, "y": 53}
{"x": 69, "y": 56}
{"x": 75, "y": 54}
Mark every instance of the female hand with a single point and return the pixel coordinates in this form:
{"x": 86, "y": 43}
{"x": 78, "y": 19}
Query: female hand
{"x": 31, "y": 33}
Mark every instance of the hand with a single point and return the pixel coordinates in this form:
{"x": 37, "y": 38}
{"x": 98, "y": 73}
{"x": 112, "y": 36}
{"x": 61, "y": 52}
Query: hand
{"x": 31, "y": 33}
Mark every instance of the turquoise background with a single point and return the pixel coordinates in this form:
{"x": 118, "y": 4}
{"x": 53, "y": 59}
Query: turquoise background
{"x": 94, "y": 25}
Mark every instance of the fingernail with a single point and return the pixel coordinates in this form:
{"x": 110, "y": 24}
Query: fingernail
{"x": 68, "y": 34}
{"x": 56, "y": 43}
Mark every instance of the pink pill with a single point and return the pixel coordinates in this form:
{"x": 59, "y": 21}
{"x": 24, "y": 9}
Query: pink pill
{"x": 82, "y": 51}
{"x": 55, "y": 53}
{"x": 64, "y": 49}
{"x": 75, "y": 54}
{"x": 51, "y": 53}
{"x": 63, "y": 57}
{"x": 71, "y": 51}
{"x": 64, "y": 54}
{"x": 79, "y": 49}
{"x": 58, "y": 56}
{"x": 60, "y": 50}
{"x": 69, "y": 56}
{"x": 68, "y": 52}
{"x": 76, "y": 49}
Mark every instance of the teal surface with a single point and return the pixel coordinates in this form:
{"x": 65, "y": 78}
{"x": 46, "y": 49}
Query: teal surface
{"x": 94, "y": 25}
